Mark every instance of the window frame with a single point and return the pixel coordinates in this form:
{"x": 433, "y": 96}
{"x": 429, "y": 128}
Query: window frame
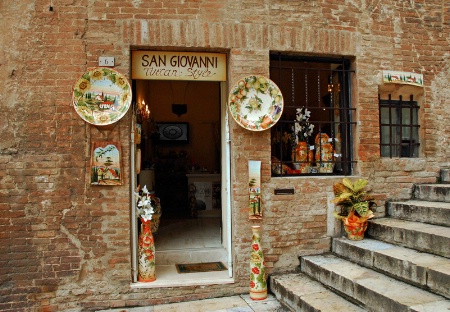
{"x": 397, "y": 145}
{"x": 339, "y": 78}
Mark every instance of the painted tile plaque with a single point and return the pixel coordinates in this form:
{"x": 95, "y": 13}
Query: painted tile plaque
{"x": 254, "y": 188}
{"x": 106, "y": 166}
{"x": 398, "y": 77}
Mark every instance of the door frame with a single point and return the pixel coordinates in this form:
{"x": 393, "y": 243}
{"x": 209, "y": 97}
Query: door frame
{"x": 226, "y": 177}
{"x": 225, "y": 185}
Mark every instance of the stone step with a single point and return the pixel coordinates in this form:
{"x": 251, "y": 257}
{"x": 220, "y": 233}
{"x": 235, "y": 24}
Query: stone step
{"x": 421, "y": 269}
{"x": 373, "y": 290}
{"x": 422, "y": 211}
{"x": 433, "y": 239}
{"x": 300, "y": 293}
{"x": 432, "y": 192}
{"x": 445, "y": 175}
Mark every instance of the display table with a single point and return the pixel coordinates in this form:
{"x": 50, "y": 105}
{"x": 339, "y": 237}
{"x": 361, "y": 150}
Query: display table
{"x": 204, "y": 189}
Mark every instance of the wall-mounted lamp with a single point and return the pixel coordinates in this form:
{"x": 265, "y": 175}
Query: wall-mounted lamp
{"x": 143, "y": 110}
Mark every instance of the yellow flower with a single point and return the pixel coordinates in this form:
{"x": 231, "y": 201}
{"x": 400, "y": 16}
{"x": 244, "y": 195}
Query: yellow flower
{"x": 97, "y": 74}
{"x": 255, "y": 258}
{"x": 83, "y": 85}
{"x": 124, "y": 97}
{"x": 101, "y": 118}
{"x": 121, "y": 82}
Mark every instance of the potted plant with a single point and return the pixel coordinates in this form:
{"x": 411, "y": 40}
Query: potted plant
{"x": 356, "y": 206}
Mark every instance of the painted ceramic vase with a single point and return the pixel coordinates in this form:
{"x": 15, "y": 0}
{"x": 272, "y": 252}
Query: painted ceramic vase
{"x": 146, "y": 254}
{"x": 324, "y": 158}
{"x": 258, "y": 279}
{"x": 302, "y": 154}
{"x": 324, "y": 153}
{"x": 321, "y": 139}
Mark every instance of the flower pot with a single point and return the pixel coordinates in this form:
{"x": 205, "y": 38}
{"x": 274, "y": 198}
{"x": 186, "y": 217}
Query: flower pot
{"x": 356, "y": 232}
{"x": 146, "y": 253}
{"x": 355, "y": 226}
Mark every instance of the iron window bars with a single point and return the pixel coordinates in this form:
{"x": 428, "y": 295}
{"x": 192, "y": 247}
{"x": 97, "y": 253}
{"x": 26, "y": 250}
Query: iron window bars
{"x": 320, "y": 85}
{"x": 399, "y": 127}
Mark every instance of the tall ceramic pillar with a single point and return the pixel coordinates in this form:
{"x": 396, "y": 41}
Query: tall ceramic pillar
{"x": 258, "y": 279}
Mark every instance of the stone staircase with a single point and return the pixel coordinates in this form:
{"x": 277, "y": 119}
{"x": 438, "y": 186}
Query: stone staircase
{"x": 403, "y": 264}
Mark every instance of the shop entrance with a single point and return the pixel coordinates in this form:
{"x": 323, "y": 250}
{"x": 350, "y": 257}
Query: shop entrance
{"x": 180, "y": 155}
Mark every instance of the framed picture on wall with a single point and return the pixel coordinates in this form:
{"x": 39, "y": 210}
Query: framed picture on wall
{"x": 106, "y": 164}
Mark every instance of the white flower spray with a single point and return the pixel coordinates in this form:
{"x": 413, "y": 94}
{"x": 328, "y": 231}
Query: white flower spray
{"x": 302, "y": 129}
{"x": 145, "y": 204}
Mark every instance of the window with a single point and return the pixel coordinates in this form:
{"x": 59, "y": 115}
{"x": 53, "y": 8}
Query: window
{"x": 399, "y": 128}
{"x": 314, "y": 133}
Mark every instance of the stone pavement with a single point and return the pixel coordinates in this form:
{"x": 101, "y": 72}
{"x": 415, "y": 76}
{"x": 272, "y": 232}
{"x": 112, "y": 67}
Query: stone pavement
{"x": 241, "y": 303}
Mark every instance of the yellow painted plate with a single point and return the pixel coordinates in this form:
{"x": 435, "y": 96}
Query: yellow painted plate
{"x": 102, "y": 96}
{"x": 256, "y": 103}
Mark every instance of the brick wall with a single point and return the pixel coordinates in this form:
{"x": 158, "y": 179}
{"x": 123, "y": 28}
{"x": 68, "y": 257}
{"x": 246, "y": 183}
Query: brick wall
{"x": 64, "y": 245}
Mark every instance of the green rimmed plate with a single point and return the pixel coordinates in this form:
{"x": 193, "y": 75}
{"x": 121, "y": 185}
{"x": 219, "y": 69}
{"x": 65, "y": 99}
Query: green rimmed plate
{"x": 102, "y": 96}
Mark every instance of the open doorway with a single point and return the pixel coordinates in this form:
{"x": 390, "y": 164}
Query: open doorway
{"x": 179, "y": 153}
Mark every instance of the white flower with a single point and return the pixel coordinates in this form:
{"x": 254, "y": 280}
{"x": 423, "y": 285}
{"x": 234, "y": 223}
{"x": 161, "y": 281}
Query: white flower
{"x": 302, "y": 129}
{"x": 145, "y": 204}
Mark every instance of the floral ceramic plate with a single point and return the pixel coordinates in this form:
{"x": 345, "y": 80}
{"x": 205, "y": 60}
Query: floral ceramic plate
{"x": 102, "y": 96}
{"x": 256, "y": 103}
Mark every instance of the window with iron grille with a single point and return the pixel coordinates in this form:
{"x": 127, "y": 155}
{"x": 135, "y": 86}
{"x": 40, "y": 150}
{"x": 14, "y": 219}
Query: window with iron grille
{"x": 399, "y": 127}
{"x": 317, "y": 114}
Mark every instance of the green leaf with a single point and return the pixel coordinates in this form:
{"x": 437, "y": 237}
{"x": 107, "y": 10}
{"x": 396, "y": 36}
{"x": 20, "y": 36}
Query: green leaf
{"x": 362, "y": 208}
{"x": 359, "y": 185}
{"x": 347, "y": 183}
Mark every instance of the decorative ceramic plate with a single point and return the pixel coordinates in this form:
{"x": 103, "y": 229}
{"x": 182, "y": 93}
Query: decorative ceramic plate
{"x": 102, "y": 96}
{"x": 256, "y": 103}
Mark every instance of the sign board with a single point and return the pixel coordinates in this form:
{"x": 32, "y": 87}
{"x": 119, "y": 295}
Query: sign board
{"x": 162, "y": 65}
{"x": 107, "y": 61}
{"x": 399, "y": 77}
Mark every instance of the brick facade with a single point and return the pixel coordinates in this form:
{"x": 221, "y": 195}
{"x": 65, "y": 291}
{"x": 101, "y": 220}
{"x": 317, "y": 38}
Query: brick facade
{"x": 65, "y": 245}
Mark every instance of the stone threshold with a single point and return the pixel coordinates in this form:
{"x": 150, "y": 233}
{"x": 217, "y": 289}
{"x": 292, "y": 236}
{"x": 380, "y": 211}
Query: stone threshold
{"x": 167, "y": 276}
